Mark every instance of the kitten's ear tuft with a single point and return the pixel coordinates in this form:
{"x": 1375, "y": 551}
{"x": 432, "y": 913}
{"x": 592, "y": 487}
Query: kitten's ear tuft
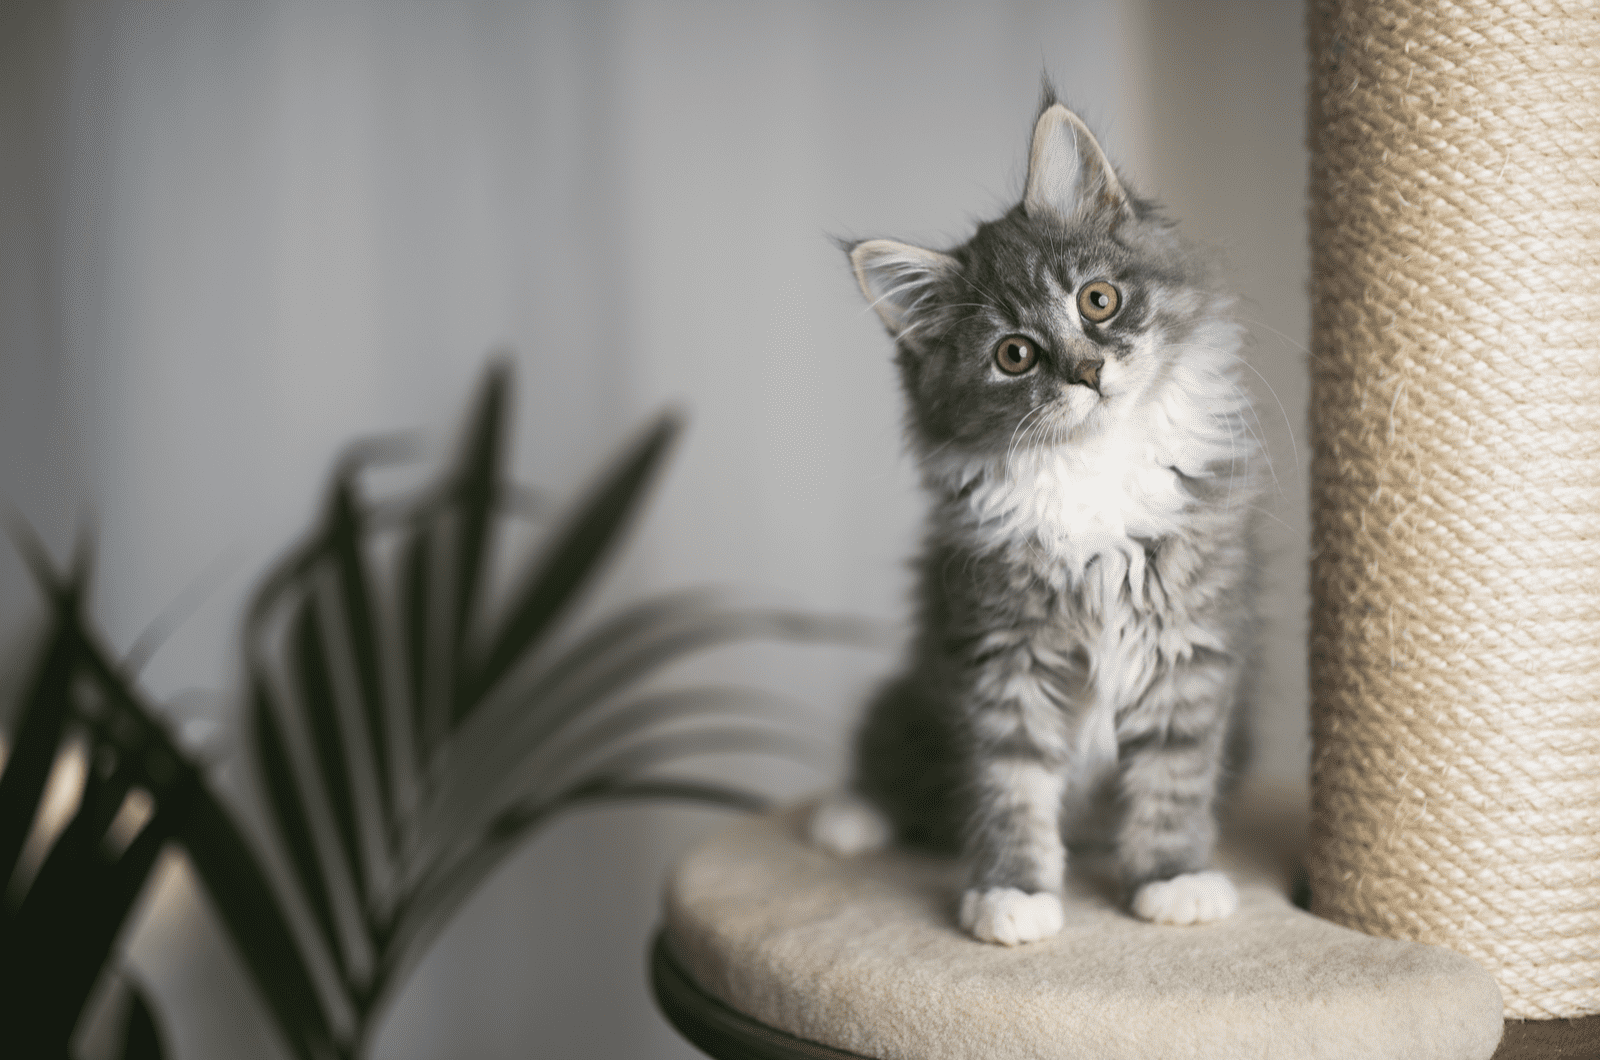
{"x": 1069, "y": 177}
{"x": 1047, "y": 92}
{"x": 899, "y": 280}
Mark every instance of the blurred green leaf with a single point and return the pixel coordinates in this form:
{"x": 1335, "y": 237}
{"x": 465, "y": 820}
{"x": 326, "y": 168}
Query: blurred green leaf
{"x": 601, "y": 730}
{"x": 527, "y": 718}
{"x": 345, "y": 537}
{"x": 466, "y": 806}
{"x": 573, "y": 557}
{"x": 314, "y": 686}
{"x": 631, "y": 761}
{"x": 289, "y": 814}
{"x": 478, "y": 481}
{"x": 141, "y": 1038}
{"x": 425, "y": 652}
{"x": 260, "y": 933}
{"x": 74, "y": 906}
{"x": 479, "y": 730}
{"x": 432, "y": 909}
{"x": 33, "y": 746}
{"x": 77, "y": 901}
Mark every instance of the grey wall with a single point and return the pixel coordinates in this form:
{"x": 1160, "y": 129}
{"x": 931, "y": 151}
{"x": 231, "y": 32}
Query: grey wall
{"x": 234, "y": 236}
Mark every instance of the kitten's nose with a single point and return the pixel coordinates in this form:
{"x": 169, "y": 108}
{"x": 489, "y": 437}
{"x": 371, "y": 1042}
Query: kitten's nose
{"x": 1087, "y": 372}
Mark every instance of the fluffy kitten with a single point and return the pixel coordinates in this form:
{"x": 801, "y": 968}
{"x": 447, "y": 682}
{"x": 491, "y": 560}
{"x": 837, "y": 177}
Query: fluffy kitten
{"x": 1075, "y": 398}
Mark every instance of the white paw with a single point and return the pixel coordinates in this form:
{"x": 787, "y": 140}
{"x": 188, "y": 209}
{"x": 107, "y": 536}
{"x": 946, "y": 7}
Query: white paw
{"x": 846, "y": 824}
{"x": 1193, "y": 898}
{"x": 1008, "y": 916}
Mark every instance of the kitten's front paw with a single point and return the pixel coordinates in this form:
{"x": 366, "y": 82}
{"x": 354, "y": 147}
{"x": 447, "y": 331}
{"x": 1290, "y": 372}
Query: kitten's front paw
{"x": 846, "y": 824}
{"x": 1193, "y": 898}
{"x": 1008, "y": 916}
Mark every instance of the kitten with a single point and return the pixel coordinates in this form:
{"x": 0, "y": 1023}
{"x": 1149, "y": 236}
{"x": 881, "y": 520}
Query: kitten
{"x": 1076, "y": 402}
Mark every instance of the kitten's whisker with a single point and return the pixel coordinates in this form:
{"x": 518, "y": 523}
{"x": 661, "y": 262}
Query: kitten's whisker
{"x": 1012, "y": 447}
{"x": 1260, "y": 439}
{"x": 1260, "y": 435}
{"x": 1262, "y": 511}
{"x": 1039, "y": 428}
{"x": 949, "y": 328}
{"x": 1281, "y": 409}
{"x": 1258, "y": 448}
{"x": 1257, "y": 433}
{"x": 1268, "y": 327}
{"x": 1255, "y": 414}
{"x": 1233, "y": 458}
{"x": 980, "y": 288}
{"x": 1037, "y": 431}
{"x": 994, "y": 300}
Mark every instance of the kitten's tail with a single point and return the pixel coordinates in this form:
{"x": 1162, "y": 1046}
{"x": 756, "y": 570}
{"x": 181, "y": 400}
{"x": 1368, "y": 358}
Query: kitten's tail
{"x": 845, "y": 823}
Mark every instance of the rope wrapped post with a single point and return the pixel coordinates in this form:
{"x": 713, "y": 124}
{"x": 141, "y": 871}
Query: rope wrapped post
{"x": 1455, "y": 644}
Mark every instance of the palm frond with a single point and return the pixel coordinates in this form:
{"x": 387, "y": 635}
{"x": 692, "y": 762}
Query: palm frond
{"x": 478, "y": 480}
{"x": 406, "y": 738}
{"x": 260, "y": 932}
{"x": 292, "y": 819}
{"x": 61, "y": 924}
{"x": 224, "y": 862}
{"x": 44, "y": 713}
{"x": 141, "y": 1037}
{"x": 574, "y": 554}
{"x": 349, "y": 562}
{"x": 576, "y": 682}
{"x": 759, "y": 721}
{"x": 429, "y": 651}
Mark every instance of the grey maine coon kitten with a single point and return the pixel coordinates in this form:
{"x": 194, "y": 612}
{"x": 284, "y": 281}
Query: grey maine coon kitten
{"x": 1076, "y": 402}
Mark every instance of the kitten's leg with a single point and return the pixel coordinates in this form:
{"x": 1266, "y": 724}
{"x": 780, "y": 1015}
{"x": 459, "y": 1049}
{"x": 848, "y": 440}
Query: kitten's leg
{"x": 1168, "y": 777}
{"x": 1014, "y": 836}
{"x": 1019, "y": 862}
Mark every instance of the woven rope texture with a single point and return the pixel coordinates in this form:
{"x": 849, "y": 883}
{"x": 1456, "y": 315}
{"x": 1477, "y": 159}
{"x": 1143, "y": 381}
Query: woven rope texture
{"x": 1456, "y": 483}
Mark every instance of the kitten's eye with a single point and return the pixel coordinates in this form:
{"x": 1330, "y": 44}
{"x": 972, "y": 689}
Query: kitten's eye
{"x": 1099, "y": 301}
{"x": 1015, "y": 354}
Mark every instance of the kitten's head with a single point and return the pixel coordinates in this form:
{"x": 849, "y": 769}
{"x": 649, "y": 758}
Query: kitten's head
{"x": 1063, "y": 317}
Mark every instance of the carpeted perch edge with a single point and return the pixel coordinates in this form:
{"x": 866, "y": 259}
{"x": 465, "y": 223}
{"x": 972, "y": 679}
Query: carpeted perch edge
{"x": 1455, "y": 404}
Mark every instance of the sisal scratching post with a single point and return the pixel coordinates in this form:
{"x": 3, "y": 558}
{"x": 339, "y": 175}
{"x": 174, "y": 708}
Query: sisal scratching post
{"x": 1456, "y": 483}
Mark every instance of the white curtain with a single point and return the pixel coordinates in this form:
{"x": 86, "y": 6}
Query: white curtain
{"x": 235, "y": 236}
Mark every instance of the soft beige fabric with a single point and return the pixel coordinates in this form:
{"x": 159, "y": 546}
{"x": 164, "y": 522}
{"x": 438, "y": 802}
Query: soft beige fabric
{"x": 863, "y": 954}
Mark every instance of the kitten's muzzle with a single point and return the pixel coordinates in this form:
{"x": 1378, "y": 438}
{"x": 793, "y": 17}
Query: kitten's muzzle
{"x": 1086, "y": 372}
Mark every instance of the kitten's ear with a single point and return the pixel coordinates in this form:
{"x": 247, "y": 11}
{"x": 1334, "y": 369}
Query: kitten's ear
{"x": 1069, "y": 177}
{"x": 898, "y": 279}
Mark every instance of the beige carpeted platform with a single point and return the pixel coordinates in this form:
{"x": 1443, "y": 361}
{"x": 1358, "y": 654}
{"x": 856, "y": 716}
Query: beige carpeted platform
{"x": 864, "y": 955}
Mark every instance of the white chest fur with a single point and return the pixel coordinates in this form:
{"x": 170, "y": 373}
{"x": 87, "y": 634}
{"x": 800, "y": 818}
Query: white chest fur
{"x": 1107, "y": 497}
{"x": 1086, "y": 515}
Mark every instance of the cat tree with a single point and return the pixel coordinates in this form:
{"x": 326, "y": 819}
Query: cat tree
{"x": 1455, "y": 644}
